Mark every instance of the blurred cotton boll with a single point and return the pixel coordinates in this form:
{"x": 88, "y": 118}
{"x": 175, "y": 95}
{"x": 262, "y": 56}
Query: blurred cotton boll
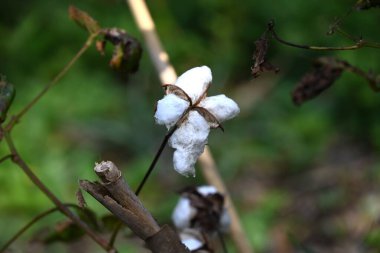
{"x": 201, "y": 208}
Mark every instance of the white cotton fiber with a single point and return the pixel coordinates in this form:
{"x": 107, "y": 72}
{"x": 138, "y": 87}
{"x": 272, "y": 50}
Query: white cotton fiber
{"x": 206, "y": 190}
{"x": 169, "y": 110}
{"x": 195, "y": 81}
{"x": 183, "y": 213}
{"x": 189, "y": 141}
{"x": 192, "y": 243}
{"x": 225, "y": 221}
{"x": 222, "y": 107}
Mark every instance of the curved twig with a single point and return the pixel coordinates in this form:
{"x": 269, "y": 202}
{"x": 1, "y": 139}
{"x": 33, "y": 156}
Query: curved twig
{"x": 31, "y": 223}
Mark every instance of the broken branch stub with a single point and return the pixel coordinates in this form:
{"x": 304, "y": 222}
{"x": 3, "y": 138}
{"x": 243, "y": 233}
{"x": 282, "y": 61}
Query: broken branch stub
{"x": 114, "y": 193}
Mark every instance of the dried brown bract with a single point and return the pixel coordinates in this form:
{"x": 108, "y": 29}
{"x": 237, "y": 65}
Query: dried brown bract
{"x": 324, "y": 73}
{"x": 7, "y": 94}
{"x": 83, "y": 19}
{"x": 127, "y": 50}
{"x": 261, "y": 65}
{"x": 367, "y": 4}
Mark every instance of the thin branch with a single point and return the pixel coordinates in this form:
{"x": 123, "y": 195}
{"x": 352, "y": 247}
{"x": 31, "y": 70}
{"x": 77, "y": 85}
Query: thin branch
{"x": 21, "y": 163}
{"x": 114, "y": 234}
{"x": 15, "y": 119}
{"x": 6, "y": 157}
{"x": 31, "y": 223}
{"x": 352, "y": 38}
{"x": 156, "y": 157}
{"x": 358, "y": 43}
{"x": 167, "y": 75}
{"x": 115, "y": 194}
{"x": 222, "y": 241}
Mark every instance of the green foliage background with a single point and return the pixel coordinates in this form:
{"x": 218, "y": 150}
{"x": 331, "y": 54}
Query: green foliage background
{"x": 267, "y": 156}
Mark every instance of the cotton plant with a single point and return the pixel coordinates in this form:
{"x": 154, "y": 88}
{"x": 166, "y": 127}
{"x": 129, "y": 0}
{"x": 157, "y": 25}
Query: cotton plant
{"x": 187, "y": 108}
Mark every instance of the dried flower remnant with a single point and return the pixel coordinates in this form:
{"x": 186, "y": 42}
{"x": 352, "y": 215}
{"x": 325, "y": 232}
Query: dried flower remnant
{"x": 201, "y": 208}
{"x": 127, "y": 50}
{"x": 84, "y": 20}
{"x": 325, "y": 72}
{"x": 7, "y": 94}
{"x": 313, "y": 83}
{"x": 366, "y": 4}
{"x": 261, "y": 65}
{"x": 186, "y": 106}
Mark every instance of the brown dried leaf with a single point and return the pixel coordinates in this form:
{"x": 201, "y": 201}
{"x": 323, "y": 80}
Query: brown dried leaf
{"x": 261, "y": 65}
{"x": 81, "y": 201}
{"x": 7, "y": 94}
{"x": 209, "y": 117}
{"x": 83, "y": 19}
{"x": 367, "y": 4}
{"x": 324, "y": 73}
{"x": 179, "y": 92}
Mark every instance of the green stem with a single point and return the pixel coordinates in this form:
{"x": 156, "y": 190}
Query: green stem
{"x": 31, "y": 223}
{"x": 6, "y": 157}
{"x": 58, "y": 77}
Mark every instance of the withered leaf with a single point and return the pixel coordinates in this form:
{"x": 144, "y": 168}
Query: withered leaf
{"x": 209, "y": 117}
{"x": 127, "y": 50}
{"x": 81, "y": 201}
{"x": 366, "y": 4}
{"x": 261, "y": 65}
{"x": 7, "y": 94}
{"x": 83, "y": 19}
{"x": 179, "y": 92}
{"x": 64, "y": 231}
{"x": 324, "y": 73}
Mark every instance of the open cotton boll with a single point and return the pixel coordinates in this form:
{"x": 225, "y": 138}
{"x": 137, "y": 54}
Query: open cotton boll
{"x": 222, "y": 107}
{"x": 192, "y": 243}
{"x": 189, "y": 141}
{"x": 206, "y": 190}
{"x": 225, "y": 221}
{"x": 169, "y": 110}
{"x": 183, "y": 213}
{"x": 195, "y": 81}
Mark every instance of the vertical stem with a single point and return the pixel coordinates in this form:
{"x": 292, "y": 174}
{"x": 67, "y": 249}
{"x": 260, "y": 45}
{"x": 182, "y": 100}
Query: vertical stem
{"x": 155, "y": 159}
{"x": 167, "y": 75}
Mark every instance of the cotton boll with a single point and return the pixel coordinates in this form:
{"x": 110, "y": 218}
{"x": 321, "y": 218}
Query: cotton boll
{"x": 189, "y": 141}
{"x": 222, "y": 107}
{"x": 183, "y": 213}
{"x": 193, "y": 240}
{"x": 225, "y": 221}
{"x": 206, "y": 190}
{"x": 195, "y": 81}
{"x": 169, "y": 110}
{"x": 192, "y": 243}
